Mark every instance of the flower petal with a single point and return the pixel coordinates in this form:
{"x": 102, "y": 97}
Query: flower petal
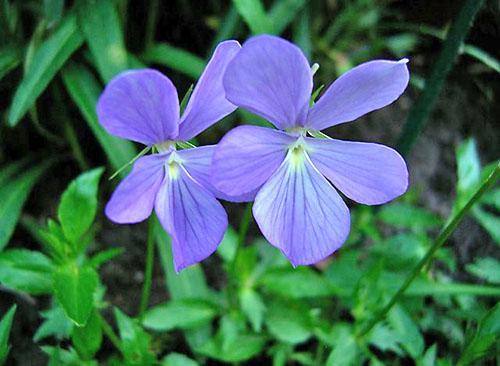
{"x": 134, "y": 198}
{"x": 208, "y": 103}
{"x": 246, "y": 157}
{"x": 300, "y": 213}
{"x": 198, "y": 163}
{"x": 191, "y": 215}
{"x": 272, "y": 78}
{"x": 140, "y": 105}
{"x": 366, "y": 173}
{"x": 365, "y": 88}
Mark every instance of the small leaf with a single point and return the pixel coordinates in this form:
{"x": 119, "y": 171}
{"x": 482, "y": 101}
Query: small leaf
{"x": 409, "y": 335}
{"x": 429, "y": 357}
{"x": 487, "y": 268}
{"x": 87, "y": 339}
{"x": 13, "y": 194}
{"x": 306, "y": 283}
{"x": 56, "y": 324}
{"x": 26, "y": 270}
{"x": 184, "y": 314}
{"x": 407, "y": 216}
{"x": 100, "y": 23}
{"x": 345, "y": 351}
{"x": 5, "y": 325}
{"x": 468, "y": 167}
{"x": 74, "y": 289}
{"x": 79, "y": 205}
{"x": 177, "y": 359}
{"x": 288, "y": 323}
{"x": 47, "y": 60}
{"x": 253, "y": 307}
{"x": 175, "y": 58}
{"x": 9, "y": 59}
{"x": 489, "y": 221}
{"x": 238, "y": 349}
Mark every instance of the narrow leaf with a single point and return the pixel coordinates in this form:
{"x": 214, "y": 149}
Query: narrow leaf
{"x": 5, "y": 325}
{"x": 254, "y": 14}
{"x": 9, "y": 59}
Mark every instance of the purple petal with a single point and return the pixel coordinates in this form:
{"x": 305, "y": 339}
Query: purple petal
{"x": 191, "y": 215}
{"x": 208, "y": 103}
{"x": 271, "y": 78}
{"x": 300, "y": 213}
{"x": 198, "y": 163}
{"x": 140, "y": 105}
{"x": 365, "y": 88}
{"x": 246, "y": 157}
{"x": 134, "y": 198}
{"x": 366, "y": 173}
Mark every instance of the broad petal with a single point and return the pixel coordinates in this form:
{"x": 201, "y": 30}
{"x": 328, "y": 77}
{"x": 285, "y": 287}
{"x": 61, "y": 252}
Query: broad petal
{"x": 300, "y": 213}
{"x": 140, "y": 105}
{"x": 208, "y": 103}
{"x": 272, "y": 78}
{"x": 191, "y": 215}
{"x": 366, "y": 173}
{"x": 134, "y": 198}
{"x": 365, "y": 88}
{"x": 246, "y": 157}
{"x": 198, "y": 163}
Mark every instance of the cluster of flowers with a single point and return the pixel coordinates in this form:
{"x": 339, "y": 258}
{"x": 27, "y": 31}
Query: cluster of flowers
{"x": 289, "y": 175}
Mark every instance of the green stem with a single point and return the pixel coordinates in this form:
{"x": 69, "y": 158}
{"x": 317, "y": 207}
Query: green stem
{"x": 152, "y": 20}
{"x": 72, "y": 139}
{"x": 419, "y": 114}
{"x": 110, "y": 333}
{"x": 148, "y": 272}
{"x": 445, "y": 233}
{"x": 242, "y": 233}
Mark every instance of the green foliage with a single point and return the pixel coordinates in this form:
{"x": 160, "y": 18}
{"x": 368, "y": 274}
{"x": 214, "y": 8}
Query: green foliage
{"x": 5, "y": 325}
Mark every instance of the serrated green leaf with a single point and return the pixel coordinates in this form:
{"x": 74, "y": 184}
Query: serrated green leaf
{"x": 183, "y": 314}
{"x": 175, "y": 58}
{"x": 47, "y": 60}
{"x": 5, "y": 325}
{"x": 26, "y": 270}
{"x": 84, "y": 89}
{"x": 78, "y": 205}
{"x": 74, "y": 288}
{"x": 100, "y": 23}
{"x": 13, "y": 195}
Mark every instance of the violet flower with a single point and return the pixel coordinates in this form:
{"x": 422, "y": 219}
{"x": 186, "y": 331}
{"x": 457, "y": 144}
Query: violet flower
{"x": 296, "y": 207}
{"x": 142, "y": 106}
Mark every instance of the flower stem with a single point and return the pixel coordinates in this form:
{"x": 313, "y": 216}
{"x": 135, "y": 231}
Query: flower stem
{"x": 110, "y": 333}
{"x": 424, "y": 105}
{"x": 445, "y": 233}
{"x": 148, "y": 271}
{"x": 242, "y": 234}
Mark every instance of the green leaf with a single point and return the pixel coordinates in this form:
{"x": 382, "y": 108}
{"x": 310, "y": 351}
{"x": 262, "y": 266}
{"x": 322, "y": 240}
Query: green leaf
{"x": 47, "y": 60}
{"x": 5, "y": 325}
{"x": 468, "y": 167}
{"x": 254, "y": 14}
{"x": 410, "y": 337}
{"x": 59, "y": 356}
{"x": 487, "y": 268}
{"x": 177, "y": 359}
{"x": 183, "y": 314}
{"x": 306, "y": 283}
{"x": 100, "y": 23}
{"x": 84, "y": 89}
{"x": 74, "y": 289}
{"x": 56, "y": 324}
{"x": 239, "y": 349}
{"x": 385, "y": 339}
{"x": 78, "y": 205}
{"x": 13, "y": 194}
{"x": 345, "y": 351}
{"x": 283, "y": 12}
{"x": 53, "y": 10}
{"x": 407, "y": 216}
{"x": 9, "y": 59}
{"x": 87, "y": 339}
{"x": 175, "y": 58}
{"x": 135, "y": 341}
{"x": 26, "y": 270}
{"x": 289, "y": 323}
{"x": 227, "y": 248}
{"x": 429, "y": 357}
{"x": 489, "y": 221}
{"x": 484, "y": 338}
{"x": 253, "y": 307}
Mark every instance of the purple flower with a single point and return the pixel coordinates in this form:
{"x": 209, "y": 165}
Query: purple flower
{"x": 296, "y": 207}
{"x": 142, "y": 106}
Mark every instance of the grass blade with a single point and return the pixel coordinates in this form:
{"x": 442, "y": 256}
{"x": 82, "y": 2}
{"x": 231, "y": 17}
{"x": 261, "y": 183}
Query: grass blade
{"x": 283, "y": 12}
{"x": 47, "y": 60}
{"x": 254, "y": 15}
{"x": 101, "y": 27}
{"x": 9, "y": 59}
